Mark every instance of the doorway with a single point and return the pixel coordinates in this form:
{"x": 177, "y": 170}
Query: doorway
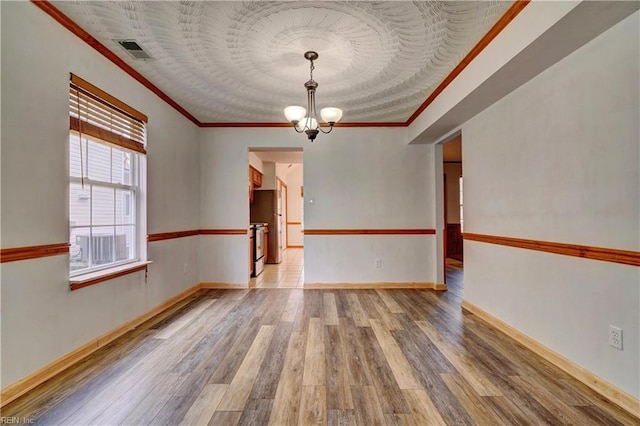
{"x": 453, "y": 193}
{"x": 282, "y": 176}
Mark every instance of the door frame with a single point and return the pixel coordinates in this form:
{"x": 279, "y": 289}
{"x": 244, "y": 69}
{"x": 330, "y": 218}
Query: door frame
{"x": 284, "y": 193}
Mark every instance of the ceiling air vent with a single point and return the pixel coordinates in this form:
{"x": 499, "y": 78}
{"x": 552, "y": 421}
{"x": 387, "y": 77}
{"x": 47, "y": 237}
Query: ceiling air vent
{"x": 133, "y": 48}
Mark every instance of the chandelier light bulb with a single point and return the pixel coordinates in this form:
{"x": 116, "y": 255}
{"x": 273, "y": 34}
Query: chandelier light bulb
{"x": 309, "y": 123}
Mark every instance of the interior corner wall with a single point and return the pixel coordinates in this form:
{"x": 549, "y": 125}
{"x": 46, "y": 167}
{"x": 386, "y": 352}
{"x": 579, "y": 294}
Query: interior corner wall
{"x": 41, "y": 319}
{"x": 255, "y": 161}
{"x": 268, "y": 176}
{"x": 295, "y": 185}
{"x": 558, "y": 160}
{"x": 360, "y": 178}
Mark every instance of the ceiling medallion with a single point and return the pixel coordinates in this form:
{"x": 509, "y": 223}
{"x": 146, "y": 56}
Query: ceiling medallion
{"x": 308, "y": 123}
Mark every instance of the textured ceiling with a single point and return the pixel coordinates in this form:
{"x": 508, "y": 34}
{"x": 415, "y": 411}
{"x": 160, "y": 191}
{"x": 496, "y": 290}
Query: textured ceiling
{"x": 243, "y": 61}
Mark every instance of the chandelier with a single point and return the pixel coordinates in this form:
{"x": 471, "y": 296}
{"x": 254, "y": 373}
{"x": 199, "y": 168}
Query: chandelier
{"x": 308, "y": 123}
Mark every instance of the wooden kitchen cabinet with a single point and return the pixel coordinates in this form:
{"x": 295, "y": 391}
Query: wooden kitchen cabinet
{"x": 255, "y": 181}
{"x": 255, "y": 177}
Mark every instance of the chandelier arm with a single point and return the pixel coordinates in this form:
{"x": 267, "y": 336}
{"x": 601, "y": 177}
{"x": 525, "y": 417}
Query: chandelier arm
{"x": 328, "y": 131}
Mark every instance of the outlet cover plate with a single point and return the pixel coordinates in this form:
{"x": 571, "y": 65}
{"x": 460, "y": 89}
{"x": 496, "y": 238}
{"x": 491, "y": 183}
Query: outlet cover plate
{"x": 615, "y": 337}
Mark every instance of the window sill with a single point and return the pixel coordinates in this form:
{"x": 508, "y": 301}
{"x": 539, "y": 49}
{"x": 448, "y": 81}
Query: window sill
{"x": 92, "y": 278}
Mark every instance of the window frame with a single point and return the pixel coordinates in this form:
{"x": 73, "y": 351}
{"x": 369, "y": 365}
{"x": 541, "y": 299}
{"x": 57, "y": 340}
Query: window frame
{"x": 135, "y": 192}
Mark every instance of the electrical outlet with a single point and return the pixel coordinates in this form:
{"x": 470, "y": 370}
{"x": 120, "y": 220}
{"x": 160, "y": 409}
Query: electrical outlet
{"x": 615, "y": 337}
{"x": 378, "y": 263}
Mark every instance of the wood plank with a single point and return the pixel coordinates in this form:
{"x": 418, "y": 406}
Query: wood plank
{"x": 286, "y": 404}
{"x": 400, "y": 420}
{"x": 313, "y": 406}
{"x": 236, "y": 396}
{"x": 367, "y": 406}
{"x": 272, "y": 309}
{"x": 205, "y": 405}
{"x": 196, "y": 379}
{"x": 341, "y": 418}
{"x": 225, "y": 418}
{"x": 508, "y": 412}
{"x": 218, "y": 327}
{"x": 367, "y": 303}
{"x": 601, "y": 417}
{"x": 330, "y": 309}
{"x": 133, "y": 406}
{"x": 388, "y": 320}
{"x": 357, "y": 313}
{"x": 256, "y": 412}
{"x": 473, "y": 403}
{"x": 419, "y": 350}
{"x": 563, "y": 412}
{"x": 178, "y": 324}
{"x": 289, "y": 313}
{"x": 266, "y": 383}
{"x": 402, "y": 370}
{"x": 391, "y": 398}
{"x": 521, "y": 398}
{"x": 337, "y": 371}
{"x": 598, "y": 403}
{"x": 461, "y": 361}
{"x": 314, "y": 360}
{"x": 342, "y": 305}
{"x": 427, "y": 366}
{"x": 359, "y": 372}
{"x": 311, "y": 307}
{"x": 424, "y": 412}
{"x": 228, "y": 366}
{"x": 390, "y": 302}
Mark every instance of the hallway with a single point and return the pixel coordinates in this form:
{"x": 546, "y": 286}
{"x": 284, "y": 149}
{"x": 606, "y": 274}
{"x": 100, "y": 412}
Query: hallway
{"x": 287, "y": 274}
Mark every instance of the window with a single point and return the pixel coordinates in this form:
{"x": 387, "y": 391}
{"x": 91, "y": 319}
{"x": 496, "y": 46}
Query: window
{"x": 106, "y": 177}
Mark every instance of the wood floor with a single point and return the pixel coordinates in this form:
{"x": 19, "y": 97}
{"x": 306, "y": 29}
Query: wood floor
{"x": 293, "y": 356}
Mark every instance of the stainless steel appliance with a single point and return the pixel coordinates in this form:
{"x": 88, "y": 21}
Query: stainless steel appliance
{"x": 258, "y": 248}
{"x": 267, "y": 208}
